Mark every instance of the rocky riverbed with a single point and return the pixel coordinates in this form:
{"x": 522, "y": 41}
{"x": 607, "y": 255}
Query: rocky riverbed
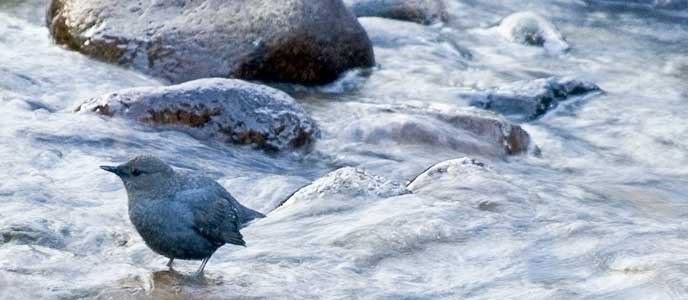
{"x": 449, "y": 149}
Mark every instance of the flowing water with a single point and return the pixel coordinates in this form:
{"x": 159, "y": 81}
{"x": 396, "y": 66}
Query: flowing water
{"x": 600, "y": 213}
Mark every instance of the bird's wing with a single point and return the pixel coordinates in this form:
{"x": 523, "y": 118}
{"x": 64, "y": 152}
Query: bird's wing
{"x": 245, "y": 214}
{"x": 214, "y": 217}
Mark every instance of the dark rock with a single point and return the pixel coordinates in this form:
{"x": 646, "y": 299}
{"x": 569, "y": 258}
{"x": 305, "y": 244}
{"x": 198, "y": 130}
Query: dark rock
{"x": 227, "y": 109}
{"x": 419, "y": 11}
{"x": 528, "y": 100}
{"x": 308, "y": 42}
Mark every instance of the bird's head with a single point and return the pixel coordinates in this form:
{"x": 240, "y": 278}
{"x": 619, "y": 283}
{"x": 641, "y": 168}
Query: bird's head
{"x": 143, "y": 173}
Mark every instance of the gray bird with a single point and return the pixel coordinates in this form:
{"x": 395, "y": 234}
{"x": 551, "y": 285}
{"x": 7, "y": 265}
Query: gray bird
{"x": 181, "y": 215}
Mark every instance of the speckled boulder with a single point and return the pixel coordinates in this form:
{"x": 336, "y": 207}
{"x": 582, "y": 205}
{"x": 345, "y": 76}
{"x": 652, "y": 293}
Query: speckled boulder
{"x": 231, "y": 110}
{"x": 419, "y": 11}
{"x": 308, "y": 42}
{"x": 338, "y": 191}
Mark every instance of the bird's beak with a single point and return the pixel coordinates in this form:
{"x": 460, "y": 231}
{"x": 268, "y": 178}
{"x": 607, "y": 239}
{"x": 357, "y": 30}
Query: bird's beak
{"x": 111, "y": 169}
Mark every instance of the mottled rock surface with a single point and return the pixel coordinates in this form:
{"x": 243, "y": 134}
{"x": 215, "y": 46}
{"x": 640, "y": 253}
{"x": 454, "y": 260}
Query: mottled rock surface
{"x": 532, "y": 29}
{"x": 468, "y": 130}
{"x": 308, "y": 42}
{"x": 340, "y": 190}
{"x": 476, "y": 184}
{"x": 230, "y": 110}
{"x": 450, "y": 169}
{"x": 528, "y": 100}
{"x": 419, "y": 11}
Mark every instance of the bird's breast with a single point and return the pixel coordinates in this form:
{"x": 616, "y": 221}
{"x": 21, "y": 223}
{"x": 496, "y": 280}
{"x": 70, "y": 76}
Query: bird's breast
{"x": 166, "y": 230}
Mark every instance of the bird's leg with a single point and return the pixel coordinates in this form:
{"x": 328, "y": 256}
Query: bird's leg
{"x": 200, "y": 270}
{"x": 169, "y": 263}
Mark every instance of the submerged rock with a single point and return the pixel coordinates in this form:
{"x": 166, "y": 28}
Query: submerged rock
{"x": 31, "y": 233}
{"x": 529, "y": 28}
{"x": 468, "y": 130}
{"x": 480, "y": 186}
{"x": 227, "y": 109}
{"x": 528, "y": 100}
{"x": 308, "y": 42}
{"x": 449, "y": 168}
{"x": 340, "y": 190}
{"x": 419, "y": 11}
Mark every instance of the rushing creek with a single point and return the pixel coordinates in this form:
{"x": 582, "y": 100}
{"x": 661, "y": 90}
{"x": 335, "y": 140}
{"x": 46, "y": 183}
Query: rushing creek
{"x": 598, "y": 211}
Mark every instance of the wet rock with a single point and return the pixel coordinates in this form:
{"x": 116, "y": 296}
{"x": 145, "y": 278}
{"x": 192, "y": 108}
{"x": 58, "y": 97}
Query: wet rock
{"x": 468, "y": 130}
{"x": 473, "y": 182}
{"x": 308, "y": 42}
{"x": 31, "y": 233}
{"x": 419, "y": 11}
{"x": 340, "y": 190}
{"x": 528, "y": 100}
{"x": 529, "y": 28}
{"x": 449, "y": 168}
{"x": 230, "y": 110}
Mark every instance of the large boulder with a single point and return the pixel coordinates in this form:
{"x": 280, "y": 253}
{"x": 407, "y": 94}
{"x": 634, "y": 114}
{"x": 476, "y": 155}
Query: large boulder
{"x": 467, "y": 130}
{"x": 532, "y": 29}
{"x": 419, "y": 11}
{"x": 309, "y": 42}
{"x": 528, "y": 100}
{"x": 227, "y": 109}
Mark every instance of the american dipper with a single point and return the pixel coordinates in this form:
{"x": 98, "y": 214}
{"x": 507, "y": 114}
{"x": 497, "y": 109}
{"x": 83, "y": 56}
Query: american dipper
{"x": 180, "y": 215}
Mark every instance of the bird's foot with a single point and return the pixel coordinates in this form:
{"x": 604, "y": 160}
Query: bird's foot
{"x": 169, "y": 263}
{"x": 199, "y": 273}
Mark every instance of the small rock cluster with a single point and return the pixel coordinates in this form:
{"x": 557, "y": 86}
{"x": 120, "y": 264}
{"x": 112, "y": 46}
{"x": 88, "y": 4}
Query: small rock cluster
{"x": 306, "y": 42}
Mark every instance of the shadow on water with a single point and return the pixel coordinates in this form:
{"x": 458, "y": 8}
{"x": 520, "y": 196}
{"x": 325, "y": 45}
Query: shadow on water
{"x": 171, "y": 284}
{"x": 164, "y": 285}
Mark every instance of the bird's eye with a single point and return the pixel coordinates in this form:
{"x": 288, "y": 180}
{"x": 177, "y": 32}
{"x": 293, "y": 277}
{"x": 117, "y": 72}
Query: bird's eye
{"x": 136, "y": 172}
